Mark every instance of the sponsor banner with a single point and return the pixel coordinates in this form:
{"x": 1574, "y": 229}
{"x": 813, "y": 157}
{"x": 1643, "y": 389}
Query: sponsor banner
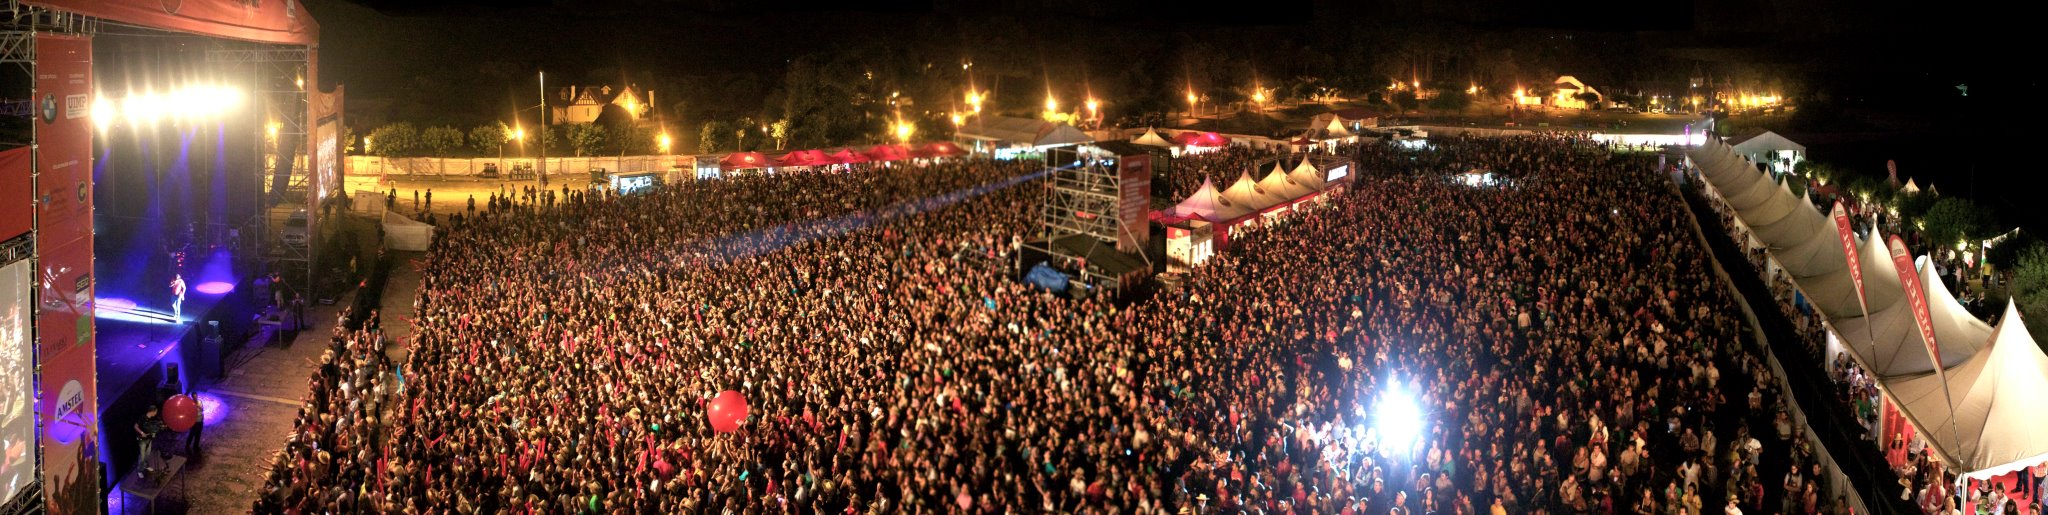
{"x": 1846, "y": 232}
{"x": 69, "y": 411}
{"x": 1916, "y": 298}
{"x": 63, "y": 142}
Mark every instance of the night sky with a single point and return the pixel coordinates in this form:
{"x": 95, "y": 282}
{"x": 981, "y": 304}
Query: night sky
{"x": 1892, "y": 67}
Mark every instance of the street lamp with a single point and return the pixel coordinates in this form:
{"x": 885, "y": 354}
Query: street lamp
{"x": 1192, "y": 102}
{"x": 1051, "y": 104}
{"x": 664, "y": 142}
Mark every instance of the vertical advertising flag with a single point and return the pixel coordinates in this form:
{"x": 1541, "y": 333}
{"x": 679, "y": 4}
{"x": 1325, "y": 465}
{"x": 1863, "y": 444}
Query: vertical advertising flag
{"x": 1847, "y": 233}
{"x": 63, "y": 160}
{"x": 1916, "y": 298}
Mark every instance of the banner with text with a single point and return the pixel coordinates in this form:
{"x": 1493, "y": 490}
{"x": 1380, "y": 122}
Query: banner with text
{"x": 1847, "y": 233}
{"x": 1916, "y": 298}
{"x": 63, "y": 159}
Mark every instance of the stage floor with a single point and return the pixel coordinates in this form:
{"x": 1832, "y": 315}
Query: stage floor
{"x": 135, "y": 326}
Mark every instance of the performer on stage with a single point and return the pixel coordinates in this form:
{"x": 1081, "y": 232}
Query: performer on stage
{"x": 178, "y": 297}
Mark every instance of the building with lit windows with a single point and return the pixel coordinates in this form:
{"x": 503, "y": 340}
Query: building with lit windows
{"x": 583, "y": 104}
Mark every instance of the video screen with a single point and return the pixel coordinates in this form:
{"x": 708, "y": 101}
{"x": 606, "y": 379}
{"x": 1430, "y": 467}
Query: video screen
{"x": 17, "y": 390}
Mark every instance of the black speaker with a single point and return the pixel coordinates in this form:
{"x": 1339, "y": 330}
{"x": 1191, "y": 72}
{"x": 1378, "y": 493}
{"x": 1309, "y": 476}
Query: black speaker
{"x": 171, "y": 374}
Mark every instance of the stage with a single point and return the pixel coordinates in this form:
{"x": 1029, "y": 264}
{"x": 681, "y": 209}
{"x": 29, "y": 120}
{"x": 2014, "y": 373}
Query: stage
{"x": 140, "y": 339}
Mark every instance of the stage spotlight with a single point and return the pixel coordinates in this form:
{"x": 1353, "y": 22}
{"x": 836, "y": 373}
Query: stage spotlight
{"x": 183, "y": 104}
{"x": 1397, "y": 418}
{"x": 103, "y": 113}
{"x": 141, "y": 109}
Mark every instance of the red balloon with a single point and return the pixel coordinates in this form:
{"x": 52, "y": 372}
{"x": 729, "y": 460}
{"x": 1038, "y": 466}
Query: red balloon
{"x": 180, "y": 413}
{"x": 727, "y": 410}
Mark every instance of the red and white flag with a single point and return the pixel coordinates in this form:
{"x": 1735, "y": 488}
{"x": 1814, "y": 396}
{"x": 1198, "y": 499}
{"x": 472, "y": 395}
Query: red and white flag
{"x": 1847, "y": 233}
{"x": 1916, "y": 297}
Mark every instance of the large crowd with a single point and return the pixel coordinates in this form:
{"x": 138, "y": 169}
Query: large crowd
{"x": 336, "y": 442}
{"x": 1566, "y": 340}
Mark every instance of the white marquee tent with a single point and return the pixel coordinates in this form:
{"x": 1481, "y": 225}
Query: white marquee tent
{"x": 1996, "y": 376}
{"x": 1996, "y": 424}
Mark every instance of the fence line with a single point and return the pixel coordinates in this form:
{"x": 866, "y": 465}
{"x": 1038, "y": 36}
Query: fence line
{"x": 433, "y": 166}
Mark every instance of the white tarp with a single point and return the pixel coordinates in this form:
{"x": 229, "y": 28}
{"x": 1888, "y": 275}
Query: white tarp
{"x": 401, "y": 233}
{"x": 1999, "y": 409}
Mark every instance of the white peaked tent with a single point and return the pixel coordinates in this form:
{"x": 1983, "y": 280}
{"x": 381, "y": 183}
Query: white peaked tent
{"x": 1276, "y": 183}
{"x": 1804, "y": 221}
{"x": 1775, "y": 208}
{"x": 1770, "y": 145}
{"x": 1245, "y": 193}
{"x": 1308, "y": 176}
{"x": 1201, "y": 204}
{"x": 1748, "y": 193}
{"x": 1814, "y": 256}
{"x": 1999, "y": 422}
{"x": 1327, "y": 126}
{"x": 1899, "y": 350}
{"x": 1996, "y": 378}
{"x": 1834, "y": 293}
{"x": 1152, "y": 138}
{"x": 1911, "y": 187}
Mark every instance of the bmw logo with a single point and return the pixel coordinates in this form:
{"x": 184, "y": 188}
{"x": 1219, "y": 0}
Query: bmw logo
{"x": 49, "y": 108}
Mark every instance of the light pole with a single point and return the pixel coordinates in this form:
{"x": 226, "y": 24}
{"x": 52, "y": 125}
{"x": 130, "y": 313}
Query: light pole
{"x": 543, "y": 126}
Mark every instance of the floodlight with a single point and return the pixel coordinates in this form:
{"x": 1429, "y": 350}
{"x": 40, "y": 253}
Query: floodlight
{"x": 1398, "y": 420}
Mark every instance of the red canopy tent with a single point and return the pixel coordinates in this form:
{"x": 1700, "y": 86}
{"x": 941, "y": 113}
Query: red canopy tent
{"x": 848, "y": 156}
{"x": 1202, "y": 139}
{"x": 743, "y": 160}
{"x": 943, "y": 149}
{"x": 889, "y": 153}
{"x": 804, "y": 158}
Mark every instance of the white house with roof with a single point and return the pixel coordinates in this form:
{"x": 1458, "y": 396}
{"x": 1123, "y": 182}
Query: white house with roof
{"x": 583, "y": 104}
{"x": 1565, "y": 93}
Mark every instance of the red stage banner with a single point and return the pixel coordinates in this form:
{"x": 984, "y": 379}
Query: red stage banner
{"x": 1916, "y": 297}
{"x": 17, "y": 203}
{"x": 1848, "y": 237}
{"x": 266, "y": 21}
{"x": 63, "y": 159}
